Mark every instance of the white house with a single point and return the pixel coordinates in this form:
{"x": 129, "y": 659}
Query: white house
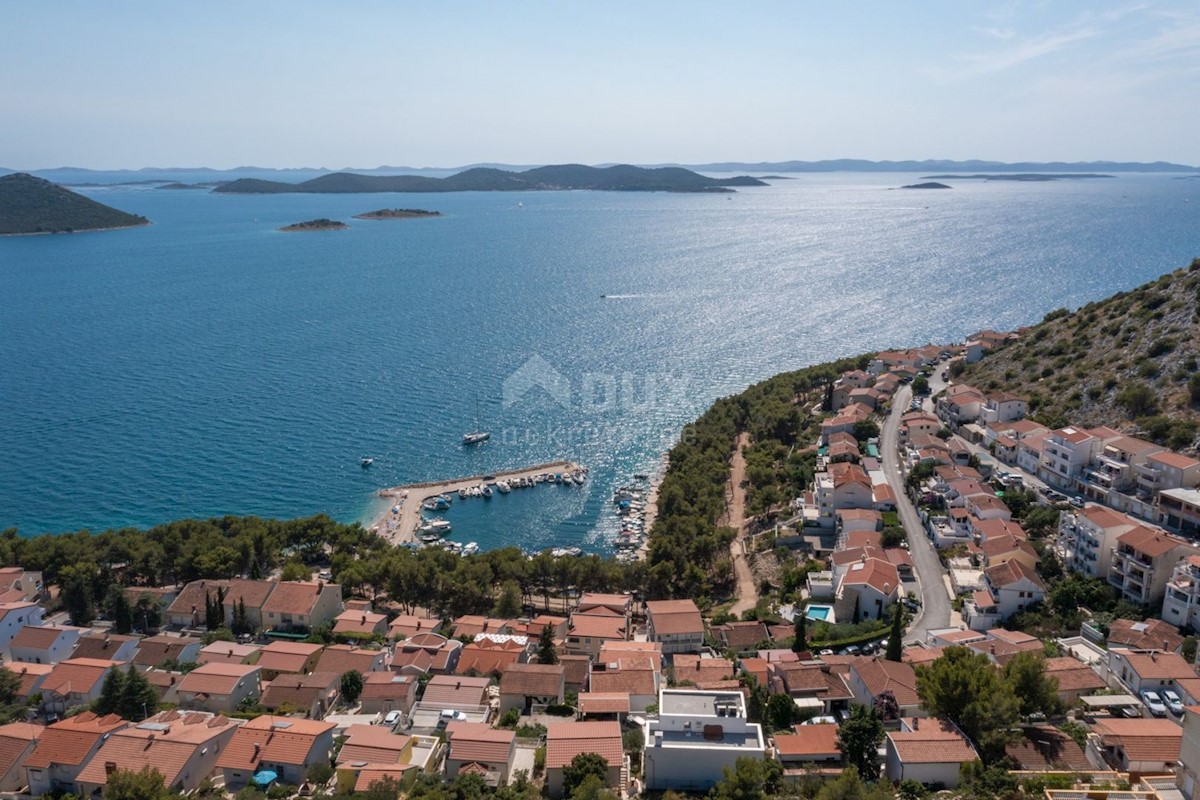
{"x": 696, "y": 736}
{"x": 929, "y": 751}
{"x": 13, "y": 617}
{"x": 1015, "y": 586}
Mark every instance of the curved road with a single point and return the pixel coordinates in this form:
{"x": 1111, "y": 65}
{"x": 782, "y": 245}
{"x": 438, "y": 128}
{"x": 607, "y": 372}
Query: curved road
{"x": 935, "y": 599}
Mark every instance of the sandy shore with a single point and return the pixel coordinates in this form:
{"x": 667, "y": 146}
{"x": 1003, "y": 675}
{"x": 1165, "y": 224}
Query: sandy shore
{"x": 401, "y": 525}
{"x": 652, "y": 504}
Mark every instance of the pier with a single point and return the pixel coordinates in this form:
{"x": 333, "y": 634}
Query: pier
{"x": 399, "y": 521}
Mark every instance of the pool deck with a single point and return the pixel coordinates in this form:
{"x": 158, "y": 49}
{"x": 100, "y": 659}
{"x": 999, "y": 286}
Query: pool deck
{"x": 401, "y": 526}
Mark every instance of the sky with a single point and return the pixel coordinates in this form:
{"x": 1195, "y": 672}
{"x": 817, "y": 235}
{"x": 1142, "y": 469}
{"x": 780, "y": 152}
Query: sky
{"x": 118, "y": 84}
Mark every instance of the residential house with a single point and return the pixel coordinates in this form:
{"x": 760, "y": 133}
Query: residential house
{"x": 472, "y": 625}
{"x": 1000, "y": 549}
{"x": 373, "y": 752}
{"x": 702, "y": 671}
{"x": 817, "y": 688}
{"x": 287, "y": 658}
{"x": 1188, "y": 775}
{"x": 426, "y": 652}
{"x": 1087, "y": 538}
{"x": 18, "y": 584}
{"x": 17, "y": 740}
{"x": 343, "y": 658}
{"x": 523, "y": 686}
{"x": 481, "y": 749}
{"x": 533, "y": 628}
{"x": 219, "y": 688}
{"x": 188, "y": 609}
{"x": 364, "y": 623}
{"x": 314, "y": 694}
{"x": 1029, "y": 451}
{"x": 1075, "y": 678}
{"x": 960, "y": 404}
{"x": 165, "y": 684}
{"x": 566, "y": 740}
{"x": 490, "y": 657}
{"x": 871, "y": 677}
{"x": 163, "y": 648}
{"x": 183, "y": 747}
{"x": 1179, "y": 510}
{"x": 387, "y": 691}
{"x": 1001, "y": 407}
{"x": 301, "y": 606}
{"x": 740, "y": 635}
{"x": 1144, "y": 563}
{"x": 676, "y": 625}
{"x": 919, "y": 422}
{"x": 929, "y": 751}
{"x": 1137, "y": 745}
{"x": 450, "y": 691}
{"x": 63, "y": 749}
{"x": 1141, "y": 670}
{"x": 695, "y": 737}
{"x": 851, "y": 487}
{"x": 109, "y": 646}
{"x": 1113, "y": 470}
{"x": 1065, "y": 454}
{"x": 286, "y": 746}
{"x": 596, "y": 706}
{"x": 1150, "y": 634}
{"x": 588, "y": 633}
{"x": 633, "y": 676}
{"x": 1000, "y": 645}
{"x": 74, "y": 682}
{"x": 593, "y": 602}
{"x": 807, "y": 746}
{"x": 13, "y": 617}
{"x": 1015, "y": 585}
{"x": 867, "y": 590}
{"x": 250, "y": 596}
{"x": 44, "y": 644}
{"x": 30, "y": 677}
{"x": 1044, "y": 748}
{"x": 1181, "y": 601}
{"x": 406, "y": 626}
{"x": 576, "y": 669}
{"x": 228, "y": 653}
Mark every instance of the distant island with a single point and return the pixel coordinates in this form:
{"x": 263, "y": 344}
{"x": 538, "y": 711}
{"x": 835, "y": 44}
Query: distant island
{"x": 398, "y": 213}
{"x": 561, "y": 177}
{"x": 929, "y": 185}
{"x": 174, "y": 186}
{"x": 315, "y": 225}
{"x": 32, "y": 205}
{"x": 1021, "y": 176}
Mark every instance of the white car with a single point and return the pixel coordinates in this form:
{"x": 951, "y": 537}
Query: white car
{"x": 1174, "y": 703}
{"x": 1153, "y": 702}
{"x": 391, "y": 719}
{"x": 451, "y": 715}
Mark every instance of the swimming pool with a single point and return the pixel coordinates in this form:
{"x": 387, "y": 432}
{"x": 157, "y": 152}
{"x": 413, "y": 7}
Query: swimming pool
{"x": 819, "y": 613}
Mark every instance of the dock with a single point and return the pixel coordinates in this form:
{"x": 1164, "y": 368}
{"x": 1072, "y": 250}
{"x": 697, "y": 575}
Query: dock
{"x": 400, "y": 519}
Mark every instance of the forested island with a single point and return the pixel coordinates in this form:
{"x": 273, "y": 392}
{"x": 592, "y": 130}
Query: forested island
{"x": 315, "y": 225}
{"x": 927, "y": 185}
{"x": 482, "y": 179}
{"x": 33, "y": 205}
{"x": 1020, "y": 176}
{"x": 398, "y": 213}
{"x": 177, "y": 186}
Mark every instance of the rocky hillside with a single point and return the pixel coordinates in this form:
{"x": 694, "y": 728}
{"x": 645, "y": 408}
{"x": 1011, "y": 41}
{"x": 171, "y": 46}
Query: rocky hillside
{"x": 33, "y": 205}
{"x": 1129, "y": 361}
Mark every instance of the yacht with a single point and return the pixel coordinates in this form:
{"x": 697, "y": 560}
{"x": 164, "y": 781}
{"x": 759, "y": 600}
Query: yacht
{"x": 366, "y": 461}
{"x": 470, "y": 548}
{"x": 487, "y": 492}
{"x": 503, "y": 487}
{"x": 475, "y": 437}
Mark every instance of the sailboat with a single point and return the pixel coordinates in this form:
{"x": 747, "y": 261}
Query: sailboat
{"x": 476, "y": 436}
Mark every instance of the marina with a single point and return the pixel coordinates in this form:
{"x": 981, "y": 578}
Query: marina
{"x": 407, "y": 520}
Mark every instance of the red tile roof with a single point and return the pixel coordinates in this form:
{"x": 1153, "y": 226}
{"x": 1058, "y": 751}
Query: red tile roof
{"x": 881, "y": 676}
{"x": 218, "y": 679}
{"x": 341, "y": 658}
{"x": 881, "y": 575}
{"x": 453, "y": 690}
{"x": 299, "y": 691}
{"x": 70, "y": 741}
{"x": 297, "y": 598}
{"x": 672, "y": 617}
{"x": 78, "y": 675}
{"x": 604, "y": 702}
{"x": 15, "y": 739}
{"x": 358, "y": 622}
{"x": 279, "y": 740}
{"x": 809, "y": 741}
{"x": 597, "y": 626}
{"x": 1150, "y": 634}
{"x": 1142, "y": 739}
{"x": 933, "y": 742}
{"x": 166, "y": 747}
{"x": 565, "y": 740}
{"x": 532, "y": 680}
{"x": 38, "y": 638}
{"x": 281, "y": 656}
{"x": 476, "y": 741}
{"x": 372, "y": 744}
{"x": 1153, "y": 542}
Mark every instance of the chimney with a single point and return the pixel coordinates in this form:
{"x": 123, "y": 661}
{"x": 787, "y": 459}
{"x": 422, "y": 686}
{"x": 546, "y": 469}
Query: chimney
{"x": 110, "y": 767}
{"x": 1166, "y": 645}
{"x": 916, "y": 721}
{"x": 1154, "y": 655}
{"x": 257, "y": 747}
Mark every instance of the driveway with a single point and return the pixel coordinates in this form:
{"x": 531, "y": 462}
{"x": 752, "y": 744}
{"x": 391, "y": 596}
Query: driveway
{"x": 935, "y": 598}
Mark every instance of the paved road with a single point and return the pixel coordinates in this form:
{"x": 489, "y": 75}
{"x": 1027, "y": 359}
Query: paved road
{"x": 935, "y": 599}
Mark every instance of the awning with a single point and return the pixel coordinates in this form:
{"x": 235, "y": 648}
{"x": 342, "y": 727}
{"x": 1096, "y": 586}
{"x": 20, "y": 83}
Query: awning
{"x": 266, "y": 777}
{"x": 807, "y": 703}
{"x": 1109, "y": 700}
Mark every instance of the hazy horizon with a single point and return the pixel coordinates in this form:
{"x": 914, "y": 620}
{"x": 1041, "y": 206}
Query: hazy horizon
{"x": 126, "y": 85}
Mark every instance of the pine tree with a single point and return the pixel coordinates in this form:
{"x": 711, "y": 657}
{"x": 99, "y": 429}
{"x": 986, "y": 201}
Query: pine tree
{"x": 109, "y": 701}
{"x": 800, "y": 632}
{"x": 546, "y": 653}
{"x": 895, "y": 649}
{"x": 119, "y": 609}
{"x": 241, "y": 621}
{"x": 138, "y": 699}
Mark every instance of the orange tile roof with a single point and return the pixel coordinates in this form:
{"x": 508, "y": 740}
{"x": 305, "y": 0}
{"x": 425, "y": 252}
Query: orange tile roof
{"x": 454, "y": 690}
{"x": 565, "y": 740}
{"x": 300, "y": 691}
{"x": 880, "y": 574}
{"x": 358, "y": 622}
{"x": 617, "y": 602}
{"x": 15, "y": 739}
{"x": 297, "y": 598}
{"x": 164, "y": 742}
{"x": 372, "y": 744}
{"x": 1150, "y": 634}
{"x": 1156, "y": 665}
{"x": 1142, "y": 739}
{"x": 30, "y": 674}
{"x": 1073, "y": 675}
{"x": 809, "y": 740}
{"x": 921, "y": 655}
{"x": 281, "y": 656}
{"x": 471, "y": 625}
{"x": 375, "y": 773}
{"x": 695, "y": 669}
{"x": 881, "y": 676}
{"x": 1010, "y": 572}
{"x": 856, "y": 539}
{"x": 1173, "y": 460}
{"x": 70, "y": 741}
{"x": 155, "y": 650}
{"x": 78, "y": 675}
{"x": 596, "y": 626}
{"x": 252, "y": 593}
{"x": 407, "y": 625}
{"x": 933, "y": 742}
{"x": 638, "y": 679}
{"x": 100, "y": 645}
{"x": 341, "y": 658}
{"x": 38, "y": 638}
{"x": 218, "y": 679}
{"x": 486, "y": 656}
{"x": 279, "y": 740}
{"x": 387, "y": 686}
{"x": 476, "y": 741}
{"x": 532, "y": 680}
{"x": 1152, "y": 542}
{"x": 675, "y": 617}
{"x": 604, "y": 702}
{"x": 1044, "y": 748}
{"x": 227, "y": 653}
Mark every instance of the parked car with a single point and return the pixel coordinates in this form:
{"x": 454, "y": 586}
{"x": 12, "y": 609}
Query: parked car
{"x": 1153, "y": 702}
{"x": 826, "y": 652}
{"x": 449, "y": 715}
{"x": 820, "y": 720}
{"x": 1076, "y": 501}
{"x": 1174, "y": 703}
{"x": 391, "y": 719}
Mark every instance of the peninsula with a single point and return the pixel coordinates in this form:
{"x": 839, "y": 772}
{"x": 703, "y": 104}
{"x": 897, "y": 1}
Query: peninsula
{"x": 33, "y": 205}
{"x": 562, "y": 177}
{"x": 398, "y": 213}
{"x": 315, "y": 225}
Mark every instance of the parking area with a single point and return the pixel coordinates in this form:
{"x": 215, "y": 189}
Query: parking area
{"x": 427, "y": 719}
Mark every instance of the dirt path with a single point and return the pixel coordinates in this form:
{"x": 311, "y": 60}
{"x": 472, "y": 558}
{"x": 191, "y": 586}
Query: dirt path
{"x": 735, "y": 517}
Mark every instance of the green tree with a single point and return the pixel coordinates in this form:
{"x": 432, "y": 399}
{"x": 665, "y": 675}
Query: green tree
{"x": 749, "y": 779}
{"x": 546, "y": 652}
{"x": 781, "y": 712}
{"x": 119, "y": 609}
{"x": 963, "y": 687}
{"x": 10, "y": 684}
{"x": 800, "y": 631}
{"x": 859, "y": 739}
{"x": 351, "y": 685}
{"x": 581, "y": 767}
{"x": 138, "y": 699}
{"x": 895, "y": 645}
{"x": 78, "y": 584}
{"x": 241, "y": 620}
{"x": 109, "y": 701}
{"x": 1036, "y": 691}
{"x": 126, "y": 784}
{"x": 295, "y": 571}
{"x": 508, "y": 603}
{"x": 147, "y": 612}
{"x": 920, "y": 385}
{"x": 592, "y": 788}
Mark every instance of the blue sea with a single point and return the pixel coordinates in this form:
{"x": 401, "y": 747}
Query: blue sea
{"x": 208, "y": 364}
